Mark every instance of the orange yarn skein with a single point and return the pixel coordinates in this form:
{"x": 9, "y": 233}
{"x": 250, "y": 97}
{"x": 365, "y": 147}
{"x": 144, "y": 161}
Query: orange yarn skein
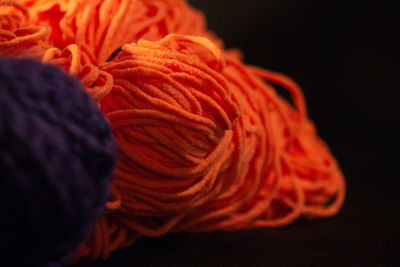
{"x": 207, "y": 144}
{"x": 204, "y": 141}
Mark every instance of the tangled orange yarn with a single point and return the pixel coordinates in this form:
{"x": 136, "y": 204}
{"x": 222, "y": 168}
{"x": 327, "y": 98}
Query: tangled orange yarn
{"x": 204, "y": 141}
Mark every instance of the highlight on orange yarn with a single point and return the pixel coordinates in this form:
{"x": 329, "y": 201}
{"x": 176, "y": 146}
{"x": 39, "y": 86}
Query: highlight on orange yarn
{"x": 205, "y": 142}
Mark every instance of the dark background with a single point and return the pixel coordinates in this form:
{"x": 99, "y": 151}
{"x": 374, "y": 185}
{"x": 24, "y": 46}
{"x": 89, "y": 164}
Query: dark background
{"x": 346, "y": 58}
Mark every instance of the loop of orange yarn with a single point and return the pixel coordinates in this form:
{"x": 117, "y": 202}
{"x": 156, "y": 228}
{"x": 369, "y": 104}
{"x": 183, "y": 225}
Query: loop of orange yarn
{"x": 96, "y": 82}
{"x": 204, "y": 140}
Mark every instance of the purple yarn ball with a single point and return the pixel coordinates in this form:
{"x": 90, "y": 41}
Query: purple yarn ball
{"x": 56, "y": 158}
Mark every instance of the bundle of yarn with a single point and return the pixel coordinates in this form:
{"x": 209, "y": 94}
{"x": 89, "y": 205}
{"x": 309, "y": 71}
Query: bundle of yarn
{"x": 204, "y": 141}
{"x": 57, "y": 153}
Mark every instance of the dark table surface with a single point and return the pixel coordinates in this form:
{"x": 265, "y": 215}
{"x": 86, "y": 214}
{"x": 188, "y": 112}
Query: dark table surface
{"x": 346, "y": 58}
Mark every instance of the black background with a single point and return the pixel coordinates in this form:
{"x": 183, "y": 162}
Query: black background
{"x": 346, "y": 58}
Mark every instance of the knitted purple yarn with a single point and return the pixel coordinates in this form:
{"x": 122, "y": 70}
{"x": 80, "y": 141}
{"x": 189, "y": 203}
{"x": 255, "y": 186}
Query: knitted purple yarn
{"x": 56, "y": 159}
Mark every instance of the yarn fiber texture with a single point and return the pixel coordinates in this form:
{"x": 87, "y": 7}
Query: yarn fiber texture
{"x": 204, "y": 141}
{"x": 56, "y": 159}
